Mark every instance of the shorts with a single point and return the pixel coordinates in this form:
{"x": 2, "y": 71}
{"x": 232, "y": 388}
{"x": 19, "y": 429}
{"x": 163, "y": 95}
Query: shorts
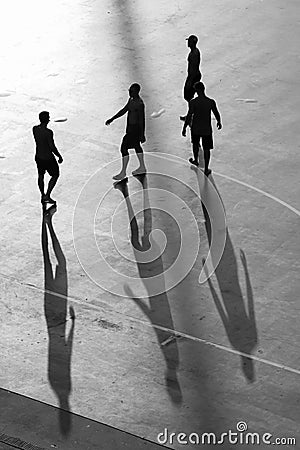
{"x": 47, "y": 165}
{"x": 206, "y": 141}
{"x": 131, "y": 140}
{"x": 188, "y": 90}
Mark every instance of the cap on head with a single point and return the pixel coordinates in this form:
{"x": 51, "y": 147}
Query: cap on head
{"x": 199, "y": 86}
{"x": 44, "y": 117}
{"x": 135, "y": 87}
{"x": 192, "y": 38}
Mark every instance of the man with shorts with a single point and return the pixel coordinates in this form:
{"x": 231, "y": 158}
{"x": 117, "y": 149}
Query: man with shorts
{"x": 135, "y": 131}
{"x": 44, "y": 156}
{"x": 199, "y": 115}
{"x": 193, "y": 70}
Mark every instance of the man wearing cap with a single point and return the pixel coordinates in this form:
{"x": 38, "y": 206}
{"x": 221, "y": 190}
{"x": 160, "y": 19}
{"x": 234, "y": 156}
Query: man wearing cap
{"x": 193, "y": 69}
{"x": 199, "y": 113}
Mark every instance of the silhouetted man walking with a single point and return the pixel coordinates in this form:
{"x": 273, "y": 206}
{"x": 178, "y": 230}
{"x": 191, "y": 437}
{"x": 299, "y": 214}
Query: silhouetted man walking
{"x": 135, "y": 131}
{"x": 44, "y": 156}
{"x": 199, "y": 114}
{"x": 193, "y": 69}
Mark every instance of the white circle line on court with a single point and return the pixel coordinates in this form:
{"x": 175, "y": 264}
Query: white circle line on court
{"x": 173, "y": 332}
{"x": 266, "y": 194}
{"x": 249, "y": 186}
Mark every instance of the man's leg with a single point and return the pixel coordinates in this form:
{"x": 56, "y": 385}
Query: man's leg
{"x": 41, "y": 184}
{"x": 207, "y": 171}
{"x": 139, "y": 153}
{"x": 189, "y": 90}
{"x": 51, "y": 184}
{"x": 41, "y": 174}
{"x": 188, "y": 93}
{"x": 208, "y": 145}
{"x": 125, "y": 161}
{"x": 196, "y": 150}
{"x": 196, "y": 144}
{"x": 53, "y": 171}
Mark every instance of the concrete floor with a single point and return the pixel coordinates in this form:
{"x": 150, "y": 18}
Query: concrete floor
{"x": 234, "y": 356}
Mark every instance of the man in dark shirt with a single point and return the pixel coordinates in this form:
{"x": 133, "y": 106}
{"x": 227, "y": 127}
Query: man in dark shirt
{"x": 193, "y": 70}
{"x": 135, "y": 131}
{"x": 199, "y": 115}
{"x": 44, "y": 156}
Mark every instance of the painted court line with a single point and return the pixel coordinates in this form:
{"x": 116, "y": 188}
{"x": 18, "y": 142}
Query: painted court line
{"x": 174, "y": 332}
{"x": 243, "y": 183}
{"x": 266, "y": 194}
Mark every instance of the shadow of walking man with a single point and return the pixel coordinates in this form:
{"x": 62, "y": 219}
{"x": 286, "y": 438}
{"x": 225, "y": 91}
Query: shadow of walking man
{"x": 158, "y": 311}
{"x": 55, "y": 308}
{"x": 237, "y": 318}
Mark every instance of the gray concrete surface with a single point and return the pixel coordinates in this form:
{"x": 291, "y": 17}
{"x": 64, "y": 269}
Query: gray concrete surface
{"x": 78, "y": 61}
{"x": 36, "y": 422}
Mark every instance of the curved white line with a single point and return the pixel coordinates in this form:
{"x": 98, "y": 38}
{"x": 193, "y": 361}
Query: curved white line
{"x": 249, "y": 186}
{"x": 172, "y": 331}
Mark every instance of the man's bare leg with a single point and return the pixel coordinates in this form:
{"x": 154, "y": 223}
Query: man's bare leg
{"x": 142, "y": 168}
{"x": 51, "y": 184}
{"x": 41, "y": 185}
{"x": 196, "y": 147}
{"x": 122, "y": 173}
{"x": 207, "y": 171}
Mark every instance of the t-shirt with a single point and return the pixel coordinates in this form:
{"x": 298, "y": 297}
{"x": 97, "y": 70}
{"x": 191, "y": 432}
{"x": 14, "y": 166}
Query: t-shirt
{"x": 135, "y": 116}
{"x": 200, "y": 108}
{"x": 44, "y": 142}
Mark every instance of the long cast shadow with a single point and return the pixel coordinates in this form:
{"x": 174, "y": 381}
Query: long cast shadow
{"x": 158, "y": 311}
{"x": 238, "y": 320}
{"x": 128, "y": 32}
{"x": 55, "y": 308}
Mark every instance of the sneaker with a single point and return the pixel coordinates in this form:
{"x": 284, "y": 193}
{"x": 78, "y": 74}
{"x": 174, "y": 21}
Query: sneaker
{"x": 192, "y": 161}
{"x": 207, "y": 172}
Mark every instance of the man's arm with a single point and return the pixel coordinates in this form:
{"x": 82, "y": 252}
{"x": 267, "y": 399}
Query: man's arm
{"x": 188, "y": 118}
{"x": 217, "y": 115}
{"x": 119, "y": 114}
{"x": 141, "y": 121}
{"x": 53, "y": 147}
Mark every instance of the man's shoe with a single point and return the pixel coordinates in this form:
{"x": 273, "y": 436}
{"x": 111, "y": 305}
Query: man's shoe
{"x": 207, "y": 172}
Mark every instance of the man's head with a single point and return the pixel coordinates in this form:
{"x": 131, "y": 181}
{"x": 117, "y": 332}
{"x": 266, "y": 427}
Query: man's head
{"x": 44, "y": 117}
{"x": 192, "y": 41}
{"x": 199, "y": 87}
{"x": 134, "y": 90}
